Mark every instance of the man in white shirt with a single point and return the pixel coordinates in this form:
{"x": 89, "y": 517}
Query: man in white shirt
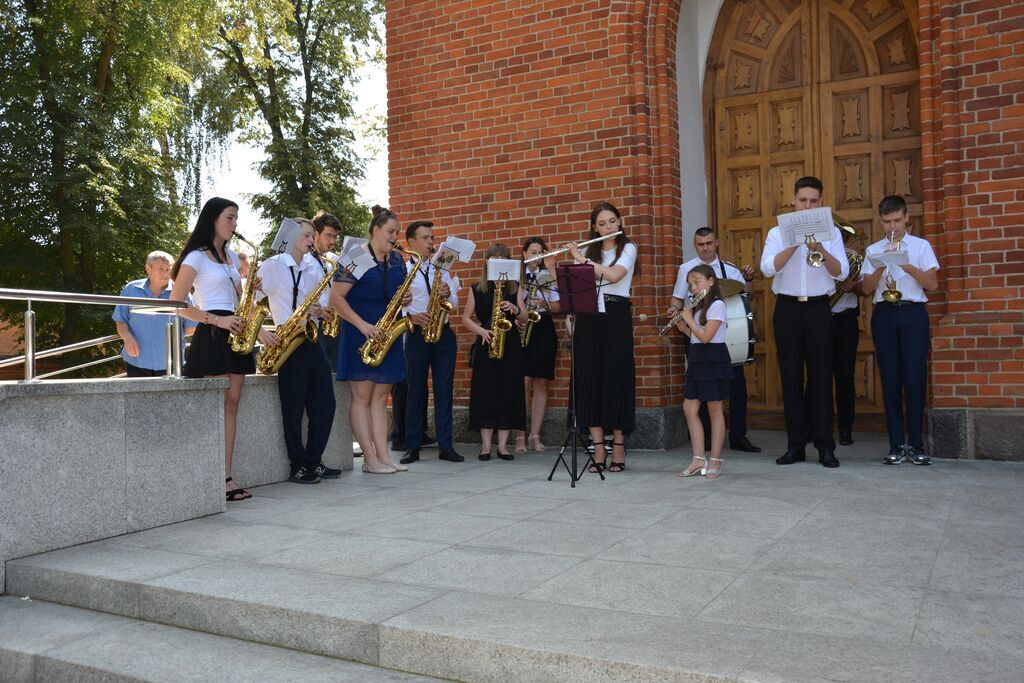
{"x": 705, "y": 242}
{"x": 803, "y": 328}
{"x": 304, "y": 381}
{"x": 423, "y": 358}
{"x": 899, "y": 328}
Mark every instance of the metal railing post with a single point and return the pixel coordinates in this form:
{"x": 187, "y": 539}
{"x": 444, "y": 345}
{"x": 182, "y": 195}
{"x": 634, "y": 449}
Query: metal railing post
{"x": 176, "y": 346}
{"x": 30, "y": 343}
{"x": 169, "y": 350}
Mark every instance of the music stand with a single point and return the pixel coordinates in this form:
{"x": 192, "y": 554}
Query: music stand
{"x": 577, "y": 288}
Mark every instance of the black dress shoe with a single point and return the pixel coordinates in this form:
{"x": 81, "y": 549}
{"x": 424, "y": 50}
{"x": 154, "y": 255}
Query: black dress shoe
{"x": 450, "y": 455}
{"x": 845, "y": 438}
{"x": 791, "y": 456}
{"x": 325, "y": 472}
{"x": 410, "y": 456}
{"x": 743, "y": 444}
{"x": 398, "y": 445}
{"x": 428, "y": 440}
{"x": 828, "y": 459}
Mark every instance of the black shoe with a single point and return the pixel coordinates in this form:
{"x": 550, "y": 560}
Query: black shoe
{"x": 485, "y": 455}
{"x": 828, "y": 459}
{"x": 428, "y": 440}
{"x": 398, "y": 445}
{"x": 304, "y": 475}
{"x": 325, "y": 472}
{"x": 791, "y": 456}
{"x": 410, "y": 456}
{"x": 845, "y": 438}
{"x": 450, "y": 455}
{"x": 743, "y": 444}
{"x": 506, "y": 456}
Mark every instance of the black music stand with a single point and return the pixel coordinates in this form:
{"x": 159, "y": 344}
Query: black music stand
{"x": 577, "y": 289}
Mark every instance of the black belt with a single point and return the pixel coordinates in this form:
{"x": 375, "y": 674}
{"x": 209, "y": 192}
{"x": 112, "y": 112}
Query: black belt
{"x": 615, "y": 298}
{"x": 900, "y": 303}
{"x": 804, "y": 299}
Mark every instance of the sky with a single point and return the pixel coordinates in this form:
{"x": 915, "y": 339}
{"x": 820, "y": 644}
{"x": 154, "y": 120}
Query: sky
{"x": 236, "y": 177}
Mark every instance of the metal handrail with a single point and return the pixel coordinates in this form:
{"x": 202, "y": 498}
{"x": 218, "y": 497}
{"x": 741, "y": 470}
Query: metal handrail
{"x": 139, "y": 304}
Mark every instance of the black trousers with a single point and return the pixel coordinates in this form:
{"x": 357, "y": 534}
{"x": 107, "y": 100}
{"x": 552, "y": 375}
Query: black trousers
{"x": 845, "y": 335}
{"x": 803, "y": 336}
{"x": 737, "y": 405}
{"x": 134, "y": 371}
{"x": 305, "y": 386}
{"x": 901, "y": 337}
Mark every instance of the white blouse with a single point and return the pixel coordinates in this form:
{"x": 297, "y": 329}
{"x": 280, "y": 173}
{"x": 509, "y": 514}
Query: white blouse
{"x": 214, "y": 286}
{"x": 621, "y": 288}
{"x": 716, "y": 311}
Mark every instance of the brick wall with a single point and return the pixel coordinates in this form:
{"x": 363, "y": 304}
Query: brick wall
{"x": 508, "y": 119}
{"x": 972, "y": 101}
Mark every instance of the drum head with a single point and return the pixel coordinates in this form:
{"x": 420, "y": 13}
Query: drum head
{"x": 739, "y": 333}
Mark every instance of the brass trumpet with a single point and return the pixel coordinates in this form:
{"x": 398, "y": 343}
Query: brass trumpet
{"x": 891, "y": 294}
{"x": 815, "y": 259}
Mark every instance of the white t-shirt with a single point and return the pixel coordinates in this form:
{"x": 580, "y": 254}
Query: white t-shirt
{"x": 716, "y": 311}
{"x": 621, "y": 288}
{"x": 215, "y": 282}
{"x": 845, "y": 303}
{"x": 681, "y": 290}
{"x": 921, "y": 256}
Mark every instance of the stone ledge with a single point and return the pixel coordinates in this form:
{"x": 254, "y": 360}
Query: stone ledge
{"x": 78, "y": 387}
{"x": 976, "y": 433}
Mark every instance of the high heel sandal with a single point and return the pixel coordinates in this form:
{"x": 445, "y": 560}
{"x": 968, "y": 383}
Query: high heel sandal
{"x": 596, "y": 467}
{"x": 698, "y": 472}
{"x": 536, "y": 445}
{"x": 520, "y": 446}
{"x": 714, "y": 472}
{"x": 618, "y": 466}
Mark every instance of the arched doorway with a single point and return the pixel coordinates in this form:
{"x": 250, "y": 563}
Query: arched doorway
{"x": 808, "y": 87}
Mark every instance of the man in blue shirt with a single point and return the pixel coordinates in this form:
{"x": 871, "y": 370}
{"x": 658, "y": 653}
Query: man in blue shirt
{"x": 144, "y": 334}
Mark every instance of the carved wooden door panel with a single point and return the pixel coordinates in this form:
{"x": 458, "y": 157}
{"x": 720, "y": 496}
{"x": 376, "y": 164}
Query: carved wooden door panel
{"x": 802, "y": 87}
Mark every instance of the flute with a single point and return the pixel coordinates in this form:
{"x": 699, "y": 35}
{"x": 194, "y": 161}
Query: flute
{"x": 556, "y": 252}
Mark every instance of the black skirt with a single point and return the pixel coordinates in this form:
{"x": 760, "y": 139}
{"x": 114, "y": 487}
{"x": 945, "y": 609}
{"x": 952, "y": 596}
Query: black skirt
{"x": 209, "y": 354}
{"x": 542, "y": 349}
{"x": 708, "y": 372}
{"x": 606, "y": 369}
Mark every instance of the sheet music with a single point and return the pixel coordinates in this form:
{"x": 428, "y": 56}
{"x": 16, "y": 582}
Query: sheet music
{"x": 815, "y": 222}
{"x": 445, "y": 258}
{"x": 351, "y": 242}
{"x": 891, "y": 262}
{"x": 286, "y": 235}
{"x": 503, "y": 269}
{"x": 463, "y": 247}
{"x": 356, "y": 260}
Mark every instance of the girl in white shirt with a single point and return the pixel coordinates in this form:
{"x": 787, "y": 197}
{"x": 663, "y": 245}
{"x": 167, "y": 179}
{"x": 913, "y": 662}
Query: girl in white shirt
{"x": 708, "y": 369}
{"x": 208, "y": 266}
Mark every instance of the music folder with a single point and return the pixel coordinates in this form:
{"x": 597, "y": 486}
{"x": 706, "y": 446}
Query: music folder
{"x": 577, "y": 288}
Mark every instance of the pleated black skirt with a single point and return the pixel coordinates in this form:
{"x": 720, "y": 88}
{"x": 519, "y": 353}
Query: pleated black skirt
{"x": 542, "y": 350}
{"x": 209, "y": 354}
{"x": 497, "y": 397}
{"x": 605, "y": 369}
{"x": 708, "y": 372}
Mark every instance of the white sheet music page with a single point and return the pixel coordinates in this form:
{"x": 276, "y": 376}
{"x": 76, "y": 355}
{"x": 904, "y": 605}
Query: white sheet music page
{"x": 891, "y": 262}
{"x": 503, "y": 269}
{"x": 356, "y": 260}
{"x": 463, "y": 247}
{"x": 286, "y": 235}
{"x": 798, "y": 225}
{"x": 445, "y": 258}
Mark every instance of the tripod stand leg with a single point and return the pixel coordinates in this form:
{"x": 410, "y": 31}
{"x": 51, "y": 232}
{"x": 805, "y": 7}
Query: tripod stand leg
{"x": 561, "y": 460}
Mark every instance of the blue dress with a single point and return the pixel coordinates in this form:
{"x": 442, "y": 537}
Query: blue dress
{"x": 369, "y": 297}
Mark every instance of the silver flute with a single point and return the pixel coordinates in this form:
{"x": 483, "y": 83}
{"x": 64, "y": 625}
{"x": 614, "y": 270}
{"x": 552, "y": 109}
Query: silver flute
{"x": 556, "y": 252}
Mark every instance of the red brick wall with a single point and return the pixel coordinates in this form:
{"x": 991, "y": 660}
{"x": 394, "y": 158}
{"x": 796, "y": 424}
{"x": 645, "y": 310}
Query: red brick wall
{"x": 508, "y": 119}
{"x": 972, "y": 101}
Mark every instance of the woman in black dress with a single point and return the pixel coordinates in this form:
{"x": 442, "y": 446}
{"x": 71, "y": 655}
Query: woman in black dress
{"x": 539, "y": 364}
{"x": 605, "y": 367}
{"x": 496, "y": 396}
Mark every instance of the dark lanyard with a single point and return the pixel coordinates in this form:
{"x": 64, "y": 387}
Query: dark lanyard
{"x": 382, "y": 266}
{"x": 295, "y": 286}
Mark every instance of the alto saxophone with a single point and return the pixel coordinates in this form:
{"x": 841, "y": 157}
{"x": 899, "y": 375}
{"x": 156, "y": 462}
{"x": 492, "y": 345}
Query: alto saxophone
{"x": 295, "y": 330}
{"x": 329, "y": 328}
{"x": 252, "y": 313}
{"x": 499, "y": 323}
{"x": 438, "y": 308}
{"x": 374, "y": 351}
{"x": 532, "y": 315}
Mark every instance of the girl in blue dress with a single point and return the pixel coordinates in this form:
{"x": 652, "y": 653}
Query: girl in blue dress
{"x": 361, "y": 303}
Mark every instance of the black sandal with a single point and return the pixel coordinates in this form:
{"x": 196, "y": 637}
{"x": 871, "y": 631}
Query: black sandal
{"x": 596, "y": 468}
{"x": 236, "y": 494}
{"x": 618, "y": 466}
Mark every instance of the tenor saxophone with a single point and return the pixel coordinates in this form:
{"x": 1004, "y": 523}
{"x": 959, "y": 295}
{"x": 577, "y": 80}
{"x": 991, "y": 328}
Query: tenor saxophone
{"x": 252, "y": 313}
{"x": 438, "y": 309}
{"x": 499, "y": 323}
{"x": 374, "y": 351}
{"x": 295, "y": 330}
{"x": 329, "y": 328}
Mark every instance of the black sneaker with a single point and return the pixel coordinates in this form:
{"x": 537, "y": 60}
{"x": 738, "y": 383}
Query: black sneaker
{"x": 897, "y": 455}
{"x": 917, "y": 456}
{"x": 325, "y": 472}
{"x": 304, "y": 475}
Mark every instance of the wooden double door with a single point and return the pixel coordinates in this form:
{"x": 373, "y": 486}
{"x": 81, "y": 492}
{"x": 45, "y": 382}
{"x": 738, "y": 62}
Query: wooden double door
{"x": 810, "y": 87}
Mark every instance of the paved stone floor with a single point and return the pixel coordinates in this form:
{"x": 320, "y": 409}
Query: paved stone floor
{"x": 768, "y": 573}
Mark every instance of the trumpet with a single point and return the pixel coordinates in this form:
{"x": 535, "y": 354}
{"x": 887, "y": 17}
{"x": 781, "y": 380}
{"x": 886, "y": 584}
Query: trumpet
{"x": 556, "y": 252}
{"x": 891, "y": 294}
{"x": 815, "y": 259}
{"x": 694, "y": 300}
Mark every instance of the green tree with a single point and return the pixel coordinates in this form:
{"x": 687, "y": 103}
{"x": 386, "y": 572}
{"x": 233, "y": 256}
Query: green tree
{"x": 292, "y": 64}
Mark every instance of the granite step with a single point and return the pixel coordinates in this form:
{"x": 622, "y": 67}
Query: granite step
{"x": 42, "y": 641}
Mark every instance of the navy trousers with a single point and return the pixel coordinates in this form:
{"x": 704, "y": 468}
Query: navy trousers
{"x": 305, "y": 386}
{"x": 901, "y": 337}
{"x": 438, "y": 360}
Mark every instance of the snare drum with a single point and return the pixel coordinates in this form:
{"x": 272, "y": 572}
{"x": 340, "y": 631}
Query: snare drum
{"x": 739, "y": 335}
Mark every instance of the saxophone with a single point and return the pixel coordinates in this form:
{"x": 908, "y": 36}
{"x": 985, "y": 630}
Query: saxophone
{"x": 295, "y": 330}
{"x": 438, "y": 309}
{"x": 499, "y": 323}
{"x": 252, "y": 313}
{"x": 373, "y": 351}
{"x": 331, "y": 328}
{"x": 532, "y": 315}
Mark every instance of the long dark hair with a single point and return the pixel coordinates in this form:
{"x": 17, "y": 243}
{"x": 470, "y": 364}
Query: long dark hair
{"x": 594, "y": 250}
{"x": 202, "y": 234}
{"x": 714, "y": 292}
